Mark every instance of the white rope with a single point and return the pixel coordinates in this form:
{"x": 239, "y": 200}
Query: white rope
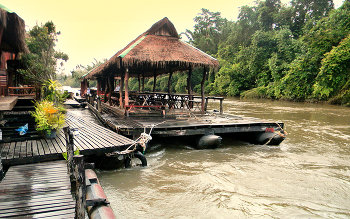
{"x": 142, "y": 141}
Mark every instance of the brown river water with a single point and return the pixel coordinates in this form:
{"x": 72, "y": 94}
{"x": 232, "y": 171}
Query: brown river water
{"x": 306, "y": 176}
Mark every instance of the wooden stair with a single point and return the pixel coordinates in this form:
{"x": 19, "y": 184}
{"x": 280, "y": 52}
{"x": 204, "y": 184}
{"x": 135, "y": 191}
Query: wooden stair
{"x": 19, "y": 116}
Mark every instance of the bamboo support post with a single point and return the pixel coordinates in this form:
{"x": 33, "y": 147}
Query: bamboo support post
{"x": 80, "y": 187}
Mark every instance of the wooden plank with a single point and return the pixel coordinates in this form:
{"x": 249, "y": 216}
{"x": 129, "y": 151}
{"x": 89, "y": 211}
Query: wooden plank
{"x": 37, "y": 191}
{"x": 40, "y": 147}
{"x": 11, "y": 152}
{"x": 29, "y": 152}
{"x": 17, "y": 149}
{"x": 45, "y": 147}
{"x": 4, "y": 150}
{"x": 35, "y": 150}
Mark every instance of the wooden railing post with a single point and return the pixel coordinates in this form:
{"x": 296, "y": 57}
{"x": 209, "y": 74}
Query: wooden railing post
{"x": 206, "y": 104}
{"x": 80, "y": 194}
{"x": 221, "y": 107}
{"x": 99, "y": 104}
{"x": 1, "y": 171}
{"x": 70, "y": 151}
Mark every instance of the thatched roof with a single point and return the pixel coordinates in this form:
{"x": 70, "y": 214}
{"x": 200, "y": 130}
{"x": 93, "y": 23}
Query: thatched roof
{"x": 13, "y": 32}
{"x": 158, "y": 50}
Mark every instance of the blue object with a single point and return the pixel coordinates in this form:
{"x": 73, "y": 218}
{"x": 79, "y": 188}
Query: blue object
{"x": 23, "y": 129}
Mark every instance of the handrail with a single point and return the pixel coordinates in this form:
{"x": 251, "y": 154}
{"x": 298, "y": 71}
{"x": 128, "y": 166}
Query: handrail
{"x": 21, "y": 91}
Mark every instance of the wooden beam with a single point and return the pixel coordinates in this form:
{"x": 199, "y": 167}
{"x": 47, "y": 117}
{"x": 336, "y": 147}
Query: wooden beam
{"x": 121, "y": 91}
{"x": 98, "y": 86}
{"x": 154, "y": 81}
{"x": 189, "y": 78}
{"x": 169, "y": 82}
{"x": 139, "y": 80}
{"x": 110, "y": 88}
{"x": 126, "y": 86}
{"x": 202, "y": 90}
{"x": 143, "y": 82}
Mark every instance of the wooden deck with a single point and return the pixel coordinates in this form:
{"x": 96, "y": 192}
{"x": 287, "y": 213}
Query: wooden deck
{"x": 93, "y": 139}
{"x": 40, "y": 190}
{"x": 185, "y": 123}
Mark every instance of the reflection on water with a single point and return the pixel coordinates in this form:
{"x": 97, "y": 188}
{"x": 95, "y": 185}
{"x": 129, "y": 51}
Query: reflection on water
{"x": 307, "y": 176}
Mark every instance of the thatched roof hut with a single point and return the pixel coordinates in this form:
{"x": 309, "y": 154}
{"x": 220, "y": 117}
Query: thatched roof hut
{"x": 12, "y": 32}
{"x": 159, "y": 50}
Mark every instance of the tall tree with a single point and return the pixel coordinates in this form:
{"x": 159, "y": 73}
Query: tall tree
{"x": 207, "y": 31}
{"x": 41, "y": 62}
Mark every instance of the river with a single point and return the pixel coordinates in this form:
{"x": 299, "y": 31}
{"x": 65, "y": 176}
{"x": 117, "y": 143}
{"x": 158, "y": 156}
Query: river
{"x": 306, "y": 176}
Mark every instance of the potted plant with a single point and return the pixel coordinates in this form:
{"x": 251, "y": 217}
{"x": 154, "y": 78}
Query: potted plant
{"x": 48, "y": 117}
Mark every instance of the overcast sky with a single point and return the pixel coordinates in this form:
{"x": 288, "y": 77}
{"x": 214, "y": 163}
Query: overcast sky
{"x": 99, "y": 29}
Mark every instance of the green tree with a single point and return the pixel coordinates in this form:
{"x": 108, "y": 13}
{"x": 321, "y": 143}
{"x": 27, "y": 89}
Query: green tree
{"x": 41, "y": 62}
{"x": 207, "y": 32}
{"x": 334, "y": 75}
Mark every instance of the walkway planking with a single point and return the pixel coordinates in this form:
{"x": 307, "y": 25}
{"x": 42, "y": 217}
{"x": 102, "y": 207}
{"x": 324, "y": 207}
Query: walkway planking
{"x": 92, "y": 139}
{"x": 40, "y": 190}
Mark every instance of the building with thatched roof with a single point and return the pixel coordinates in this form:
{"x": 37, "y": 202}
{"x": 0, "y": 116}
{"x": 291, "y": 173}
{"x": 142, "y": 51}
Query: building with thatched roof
{"x": 12, "y": 43}
{"x": 157, "y": 51}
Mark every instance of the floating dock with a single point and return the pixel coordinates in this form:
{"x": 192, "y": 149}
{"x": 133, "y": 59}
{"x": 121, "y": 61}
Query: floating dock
{"x": 189, "y": 123}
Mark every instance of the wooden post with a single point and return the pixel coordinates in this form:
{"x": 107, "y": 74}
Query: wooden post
{"x": 143, "y": 82}
{"x": 121, "y": 91}
{"x": 206, "y": 104}
{"x": 139, "y": 79}
{"x": 221, "y": 107}
{"x": 110, "y": 88}
{"x": 98, "y": 100}
{"x": 1, "y": 170}
{"x": 154, "y": 81}
{"x": 126, "y": 86}
{"x": 82, "y": 88}
{"x": 70, "y": 152}
{"x": 189, "y": 78}
{"x": 80, "y": 193}
{"x": 202, "y": 90}
{"x": 98, "y": 87}
{"x": 169, "y": 82}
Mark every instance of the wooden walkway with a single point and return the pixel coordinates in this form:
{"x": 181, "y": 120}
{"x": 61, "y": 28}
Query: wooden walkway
{"x": 40, "y": 190}
{"x": 93, "y": 139}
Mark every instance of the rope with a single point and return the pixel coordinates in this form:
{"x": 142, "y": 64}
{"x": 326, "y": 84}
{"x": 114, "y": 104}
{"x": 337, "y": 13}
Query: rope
{"x": 281, "y": 133}
{"x": 142, "y": 141}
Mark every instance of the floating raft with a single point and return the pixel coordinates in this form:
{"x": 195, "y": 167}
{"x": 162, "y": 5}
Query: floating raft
{"x": 37, "y": 191}
{"x": 189, "y": 123}
{"x": 93, "y": 139}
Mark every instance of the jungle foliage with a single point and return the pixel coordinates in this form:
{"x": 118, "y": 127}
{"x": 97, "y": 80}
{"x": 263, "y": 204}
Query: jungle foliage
{"x": 299, "y": 51}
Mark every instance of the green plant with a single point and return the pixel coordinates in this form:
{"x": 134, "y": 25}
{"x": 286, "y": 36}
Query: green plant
{"x": 48, "y": 116}
{"x": 53, "y": 91}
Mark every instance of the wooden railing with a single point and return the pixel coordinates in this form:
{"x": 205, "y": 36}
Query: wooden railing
{"x": 21, "y": 91}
